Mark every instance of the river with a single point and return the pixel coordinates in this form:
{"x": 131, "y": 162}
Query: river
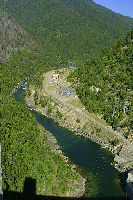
{"x": 93, "y": 161}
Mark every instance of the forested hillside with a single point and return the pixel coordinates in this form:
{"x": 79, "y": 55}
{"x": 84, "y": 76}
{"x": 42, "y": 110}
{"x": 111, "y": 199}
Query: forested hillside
{"x": 25, "y": 153}
{"x": 68, "y": 30}
{"x": 102, "y": 78}
{"x": 43, "y": 35}
{"x": 13, "y": 37}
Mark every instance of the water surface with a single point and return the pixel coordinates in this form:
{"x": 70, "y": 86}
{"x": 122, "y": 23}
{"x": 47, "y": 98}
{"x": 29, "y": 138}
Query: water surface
{"x": 93, "y": 161}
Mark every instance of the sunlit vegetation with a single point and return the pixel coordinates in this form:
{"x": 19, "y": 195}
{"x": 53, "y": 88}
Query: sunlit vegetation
{"x": 101, "y": 78}
{"x": 68, "y": 30}
{"x": 24, "y": 149}
{"x": 62, "y": 30}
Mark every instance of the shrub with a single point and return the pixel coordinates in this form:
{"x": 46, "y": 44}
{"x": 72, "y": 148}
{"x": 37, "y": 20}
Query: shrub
{"x": 49, "y": 108}
{"x": 78, "y": 120}
{"x": 59, "y": 114}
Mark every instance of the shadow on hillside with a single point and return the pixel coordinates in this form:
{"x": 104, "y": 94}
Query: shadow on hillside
{"x": 29, "y": 193}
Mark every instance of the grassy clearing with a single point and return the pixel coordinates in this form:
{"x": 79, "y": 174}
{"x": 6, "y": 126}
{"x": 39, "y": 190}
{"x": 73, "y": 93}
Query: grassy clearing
{"x": 74, "y": 102}
{"x": 66, "y": 73}
{"x": 77, "y": 104}
{"x": 45, "y": 75}
{"x": 51, "y": 87}
{"x": 94, "y": 116}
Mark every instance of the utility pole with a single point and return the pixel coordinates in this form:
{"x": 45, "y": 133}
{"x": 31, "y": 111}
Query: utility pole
{"x": 127, "y": 100}
{"x": 115, "y": 109}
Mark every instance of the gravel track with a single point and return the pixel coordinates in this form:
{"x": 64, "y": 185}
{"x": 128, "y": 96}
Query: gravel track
{"x": 63, "y": 101}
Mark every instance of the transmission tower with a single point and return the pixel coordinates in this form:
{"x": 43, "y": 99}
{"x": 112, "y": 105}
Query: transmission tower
{"x": 127, "y": 100}
{"x": 115, "y": 109}
{"x": 71, "y": 64}
{"x": 126, "y": 104}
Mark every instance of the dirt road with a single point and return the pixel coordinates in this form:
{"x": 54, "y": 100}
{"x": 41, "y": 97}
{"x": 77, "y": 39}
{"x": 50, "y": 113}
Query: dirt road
{"x": 79, "y": 111}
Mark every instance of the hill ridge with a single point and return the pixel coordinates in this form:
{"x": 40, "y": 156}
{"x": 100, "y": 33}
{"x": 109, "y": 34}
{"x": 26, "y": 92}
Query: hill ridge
{"x": 71, "y": 29}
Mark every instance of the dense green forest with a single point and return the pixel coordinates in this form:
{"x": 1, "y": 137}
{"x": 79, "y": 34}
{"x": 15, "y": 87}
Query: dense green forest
{"x": 14, "y": 38}
{"x": 68, "y": 30}
{"x": 25, "y": 152}
{"x": 102, "y": 78}
{"x": 54, "y": 32}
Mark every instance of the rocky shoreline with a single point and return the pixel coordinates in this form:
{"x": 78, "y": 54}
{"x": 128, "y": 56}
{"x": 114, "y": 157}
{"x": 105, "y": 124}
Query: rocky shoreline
{"x": 72, "y": 127}
{"x": 67, "y": 121}
{"x": 118, "y": 164}
{"x": 80, "y": 186}
{"x": 17, "y": 86}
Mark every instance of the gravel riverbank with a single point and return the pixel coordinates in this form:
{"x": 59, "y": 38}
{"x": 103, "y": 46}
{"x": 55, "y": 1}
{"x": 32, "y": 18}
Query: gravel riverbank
{"x": 78, "y": 185}
{"x": 86, "y": 126}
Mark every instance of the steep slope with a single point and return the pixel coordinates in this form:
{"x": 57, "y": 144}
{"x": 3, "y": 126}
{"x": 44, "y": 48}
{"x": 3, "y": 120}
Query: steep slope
{"x": 69, "y": 28}
{"x": 104, "y": 83}
{"x": 13, "y": 37}
{"x": 25, "y": 151}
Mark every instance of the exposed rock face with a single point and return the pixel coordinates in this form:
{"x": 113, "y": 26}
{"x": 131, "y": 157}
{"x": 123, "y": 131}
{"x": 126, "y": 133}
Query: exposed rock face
{"x": 85, "y": 127}
{"x": 79, "y": 184}
{"x": 76, "y": 186}
{"x": 129, "y": 185}
{"x": 124, "y": 159}
{"x": 75, "y": 120}
{"x": 13, "y": 37}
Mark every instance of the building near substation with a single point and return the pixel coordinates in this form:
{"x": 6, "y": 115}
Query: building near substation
{"x": 56, "y": 76}
{"x": 129, "y": 185}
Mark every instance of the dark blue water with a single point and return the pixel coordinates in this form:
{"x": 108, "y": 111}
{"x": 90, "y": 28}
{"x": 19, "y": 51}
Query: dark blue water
{"x": 93, "y": 161}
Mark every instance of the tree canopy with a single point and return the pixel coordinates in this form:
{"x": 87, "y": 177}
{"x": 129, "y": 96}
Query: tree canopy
{"x": 68, "y": 29}
{"x": 103, "y": 79}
